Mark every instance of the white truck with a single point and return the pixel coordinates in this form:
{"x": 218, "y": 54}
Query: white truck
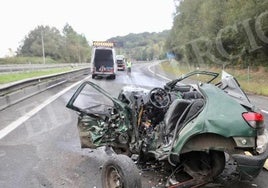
{"x": 103, "y": 59}
{"x": 120, "y": 61}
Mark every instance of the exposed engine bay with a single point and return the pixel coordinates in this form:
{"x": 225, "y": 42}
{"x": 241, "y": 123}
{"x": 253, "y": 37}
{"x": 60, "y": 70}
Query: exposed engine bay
{"x": 152, "y": 108}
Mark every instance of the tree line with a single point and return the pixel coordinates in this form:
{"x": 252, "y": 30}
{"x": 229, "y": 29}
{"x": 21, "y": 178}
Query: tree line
{"x": 69, "y": 46}
{"x": 66, "y": 46}
{"x": 220, "y": 32}
{"x": 214, "y": 32}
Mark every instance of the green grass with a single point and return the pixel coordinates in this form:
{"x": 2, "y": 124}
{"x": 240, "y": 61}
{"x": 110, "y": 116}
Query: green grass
{"x": 254, "y": 81}
{"x": 12, "y": 77}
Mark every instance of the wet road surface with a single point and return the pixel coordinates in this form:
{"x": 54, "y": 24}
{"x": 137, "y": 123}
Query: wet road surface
{"x": 44, "y": 151}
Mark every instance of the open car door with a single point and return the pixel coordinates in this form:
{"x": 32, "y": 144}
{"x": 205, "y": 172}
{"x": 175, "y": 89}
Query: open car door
{"x": 101, "y": 117}
{"x": 92, "y": 100}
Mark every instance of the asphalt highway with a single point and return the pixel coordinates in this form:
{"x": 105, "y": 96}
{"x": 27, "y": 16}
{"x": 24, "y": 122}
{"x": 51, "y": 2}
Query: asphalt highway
{"x": 40, "y": 147}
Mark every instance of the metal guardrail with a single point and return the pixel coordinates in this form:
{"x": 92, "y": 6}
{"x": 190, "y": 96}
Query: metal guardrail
{"x": 12, "y": 68}
{"x": 15, "y": 92}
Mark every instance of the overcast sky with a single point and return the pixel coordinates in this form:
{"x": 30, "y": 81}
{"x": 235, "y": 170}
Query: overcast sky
{"x": 96, "y": 19}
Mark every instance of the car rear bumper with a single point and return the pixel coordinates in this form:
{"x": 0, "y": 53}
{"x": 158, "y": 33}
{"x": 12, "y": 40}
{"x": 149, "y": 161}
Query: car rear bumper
{"x": 249, "y": 166}
{"x": 103, "y": 73}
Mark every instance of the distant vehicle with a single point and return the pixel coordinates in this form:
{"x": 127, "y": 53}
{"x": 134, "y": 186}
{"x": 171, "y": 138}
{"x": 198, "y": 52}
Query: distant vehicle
{"x": 120, "y": 61}
{"x": 103, "y": 61}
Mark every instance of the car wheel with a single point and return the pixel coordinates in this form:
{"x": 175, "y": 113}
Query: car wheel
{"x": 93, "y": 76}
{"x": 120, "y": 172}
{"x": 206, "y": 164}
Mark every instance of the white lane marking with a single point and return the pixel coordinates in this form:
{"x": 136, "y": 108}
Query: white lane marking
{"x": 15, "y": 124}
{"x": 266, "y": 112}
{"x": 149, "y": 68}
{"x": 161, "y": 76}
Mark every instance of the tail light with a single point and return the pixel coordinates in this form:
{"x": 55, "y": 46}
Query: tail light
{"x": 254, "y": 119}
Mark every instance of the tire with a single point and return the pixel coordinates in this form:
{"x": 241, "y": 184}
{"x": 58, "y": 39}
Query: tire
{"x": 93, "y": 76}
{"x": 120, "y": 172}
{"x": 113, "y": 77}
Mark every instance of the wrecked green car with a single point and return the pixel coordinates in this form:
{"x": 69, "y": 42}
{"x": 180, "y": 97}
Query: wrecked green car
{"x": 190, "y": 124}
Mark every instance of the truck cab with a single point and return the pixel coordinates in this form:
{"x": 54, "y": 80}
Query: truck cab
{"x": 120, "y": 61}
{"x": 103, "y": 60}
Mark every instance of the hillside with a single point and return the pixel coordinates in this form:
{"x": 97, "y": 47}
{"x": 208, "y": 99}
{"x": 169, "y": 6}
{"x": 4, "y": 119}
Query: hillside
{"x": 142, "y": 46}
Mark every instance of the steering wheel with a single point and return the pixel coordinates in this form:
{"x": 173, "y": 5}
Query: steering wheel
{"x": 159, "y": 98}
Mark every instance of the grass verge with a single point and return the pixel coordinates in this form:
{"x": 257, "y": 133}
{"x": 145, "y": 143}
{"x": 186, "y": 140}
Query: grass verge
{"x": 12, "y": 77}
{"x": 251, "y": 81}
